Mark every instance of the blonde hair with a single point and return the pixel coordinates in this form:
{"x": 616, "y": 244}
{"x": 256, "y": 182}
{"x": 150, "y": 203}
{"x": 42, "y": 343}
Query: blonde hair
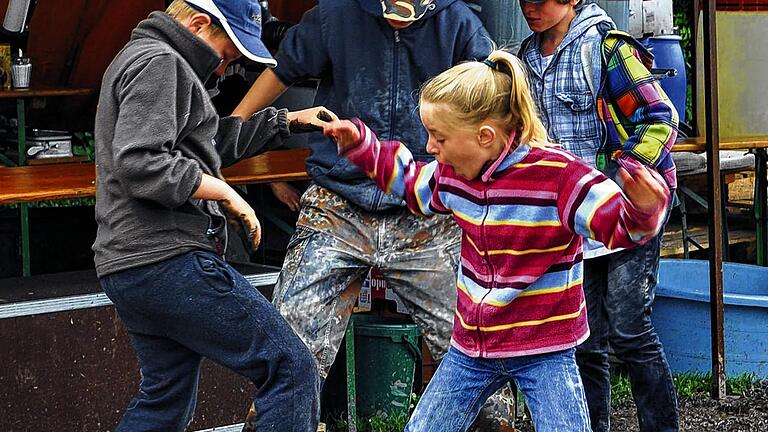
{"x": 180, "y": 10}
{"x": 496, "y": 89}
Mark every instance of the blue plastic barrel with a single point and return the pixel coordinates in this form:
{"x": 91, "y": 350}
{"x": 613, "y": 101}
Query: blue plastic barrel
{"x": 669, "y": 55}
{"x": 681, "y": 316}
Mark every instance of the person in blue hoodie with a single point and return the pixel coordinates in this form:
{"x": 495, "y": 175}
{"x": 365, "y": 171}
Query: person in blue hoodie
{"x": 371, "y": 57}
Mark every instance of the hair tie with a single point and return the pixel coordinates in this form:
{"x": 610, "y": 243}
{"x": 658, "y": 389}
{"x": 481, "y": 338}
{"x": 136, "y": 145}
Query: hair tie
{"x": 491, "y": 64}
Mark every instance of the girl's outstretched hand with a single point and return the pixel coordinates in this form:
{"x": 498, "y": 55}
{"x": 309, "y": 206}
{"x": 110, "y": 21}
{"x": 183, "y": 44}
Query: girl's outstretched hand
{"x": 644, "y": 187}
{"x": 343, "y": 132}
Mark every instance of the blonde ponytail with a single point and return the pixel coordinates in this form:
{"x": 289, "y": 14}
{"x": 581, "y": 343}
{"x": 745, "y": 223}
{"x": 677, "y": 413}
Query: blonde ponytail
{"x": 494, "y": 89}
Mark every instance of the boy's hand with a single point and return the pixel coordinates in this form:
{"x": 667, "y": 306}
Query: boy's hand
{"x": 236, "y": 206}
{"x": 644, "y": 187}
{"x": 344, "y": 133}
{"x": 310, "y": 119}
{"x": 287, "y": 194}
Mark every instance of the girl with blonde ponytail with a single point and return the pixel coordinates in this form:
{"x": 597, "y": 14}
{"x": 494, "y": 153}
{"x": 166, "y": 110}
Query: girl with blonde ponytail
{"x": 523, "y": 206}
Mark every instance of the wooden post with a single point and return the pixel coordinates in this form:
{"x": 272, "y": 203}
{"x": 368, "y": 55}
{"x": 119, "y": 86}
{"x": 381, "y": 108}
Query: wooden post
{"x": 714, "y": 198}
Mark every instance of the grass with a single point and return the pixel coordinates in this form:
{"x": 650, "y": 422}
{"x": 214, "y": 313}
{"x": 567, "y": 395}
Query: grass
{"x": 688, "y": 386}
{"x": 380, "y": 423}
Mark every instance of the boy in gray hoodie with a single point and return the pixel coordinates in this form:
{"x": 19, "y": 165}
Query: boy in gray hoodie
{"x": 160, "y": 206}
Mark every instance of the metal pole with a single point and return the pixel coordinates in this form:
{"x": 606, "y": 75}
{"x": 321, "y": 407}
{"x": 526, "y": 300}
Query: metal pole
{"x": 760, "y": 206}
{"x": 714, "y": 199}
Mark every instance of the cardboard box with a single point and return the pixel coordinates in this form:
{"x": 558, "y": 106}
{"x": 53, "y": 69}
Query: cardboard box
{"x": 5, "y": 66}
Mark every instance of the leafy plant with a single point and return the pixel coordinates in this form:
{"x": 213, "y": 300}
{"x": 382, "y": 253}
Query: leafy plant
{"x": 687, "y": 385}
{"x": 84, "y": 144}
{"x": 682, "y": 19}
{"x": 740, "y": 384}
{"x": 621, "y": 389}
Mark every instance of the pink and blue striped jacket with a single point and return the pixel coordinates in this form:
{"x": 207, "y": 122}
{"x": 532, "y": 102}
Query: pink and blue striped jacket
{"x": 520, "y": 279}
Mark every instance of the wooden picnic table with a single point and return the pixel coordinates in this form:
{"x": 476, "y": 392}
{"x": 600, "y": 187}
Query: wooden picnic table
{"x": 62, "y": 181}
{"x": 27, "y": 184}
{"x": 697, "y": 144}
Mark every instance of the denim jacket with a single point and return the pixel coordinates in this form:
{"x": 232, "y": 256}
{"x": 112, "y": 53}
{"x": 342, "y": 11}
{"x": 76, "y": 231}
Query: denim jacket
{"x": 369, "y": 70}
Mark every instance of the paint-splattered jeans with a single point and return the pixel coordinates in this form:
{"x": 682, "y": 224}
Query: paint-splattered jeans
{"x": 550, "y": 383}
{"x": 619, "y": 289}
{"x": 336, "y": 244}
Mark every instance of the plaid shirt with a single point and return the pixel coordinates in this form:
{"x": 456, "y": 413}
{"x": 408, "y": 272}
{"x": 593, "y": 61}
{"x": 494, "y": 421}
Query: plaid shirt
{"x": 597, "y": 97}
{"x": 597, "y": 93}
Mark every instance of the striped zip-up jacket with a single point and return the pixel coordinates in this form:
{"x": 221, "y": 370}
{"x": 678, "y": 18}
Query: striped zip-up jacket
{"x": 520, "y": 279}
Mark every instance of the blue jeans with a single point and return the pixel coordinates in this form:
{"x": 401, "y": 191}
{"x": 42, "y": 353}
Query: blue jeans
{"x": 619, "y": 290}
{"x": 193, "y": 306}
{"x": 457, "y": 391}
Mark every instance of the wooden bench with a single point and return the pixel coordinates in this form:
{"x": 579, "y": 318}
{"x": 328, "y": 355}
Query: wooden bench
{"x": 54, "y": 182}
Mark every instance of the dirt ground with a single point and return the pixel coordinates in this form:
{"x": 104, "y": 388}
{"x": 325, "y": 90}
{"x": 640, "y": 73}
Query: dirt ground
{"x": 700, "y": 413}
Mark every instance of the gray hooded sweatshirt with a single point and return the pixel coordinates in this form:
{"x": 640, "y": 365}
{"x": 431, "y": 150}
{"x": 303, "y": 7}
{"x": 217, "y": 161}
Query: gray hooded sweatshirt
{"x": 156, "y": 134}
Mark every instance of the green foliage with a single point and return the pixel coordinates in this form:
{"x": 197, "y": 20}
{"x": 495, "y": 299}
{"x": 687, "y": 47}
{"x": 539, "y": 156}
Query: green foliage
{"x": 740, "y": 384}
{"x": 84, "y": 145}
{"x": 383, "y": 422}
{"x": 621, "y": 389}
{"x": 71, "y": 202}
{"x": 687, "y": 385}
{"x": 690, "y": 384}
{"x": 682, "y": 20}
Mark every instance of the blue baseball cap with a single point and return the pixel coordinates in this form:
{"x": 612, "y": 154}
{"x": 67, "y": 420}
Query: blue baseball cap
{"x": 241, "y": 19}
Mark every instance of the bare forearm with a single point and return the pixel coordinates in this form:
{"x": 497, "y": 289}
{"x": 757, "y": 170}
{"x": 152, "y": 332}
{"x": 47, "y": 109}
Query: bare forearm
{"x": 262, "y": 93}
{"x": 213, "y": 189}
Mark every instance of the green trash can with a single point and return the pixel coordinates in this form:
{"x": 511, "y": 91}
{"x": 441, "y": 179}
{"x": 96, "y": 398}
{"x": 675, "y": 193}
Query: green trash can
{"x": 386, "y": 357}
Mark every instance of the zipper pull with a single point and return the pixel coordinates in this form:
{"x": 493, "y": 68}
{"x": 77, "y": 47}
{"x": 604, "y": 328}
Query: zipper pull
{"x": 397, "y": 36}
{"x": 601, "y": 161}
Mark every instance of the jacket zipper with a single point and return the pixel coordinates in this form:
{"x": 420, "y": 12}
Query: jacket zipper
{"x": 393, "y": 103}
{"x": 483, "y": 236}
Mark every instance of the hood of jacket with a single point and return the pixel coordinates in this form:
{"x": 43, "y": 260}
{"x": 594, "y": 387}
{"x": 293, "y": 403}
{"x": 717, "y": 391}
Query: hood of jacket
{"x": 374, "y": 7}
{"x": 587, "y": 17}
{"x": 199, "y": 55}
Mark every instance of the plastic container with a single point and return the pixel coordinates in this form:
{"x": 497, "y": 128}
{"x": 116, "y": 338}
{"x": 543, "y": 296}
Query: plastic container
{"x": 386, "y": 358}
{"x": 681, "y": 316}
{"x": 668, "y": 54}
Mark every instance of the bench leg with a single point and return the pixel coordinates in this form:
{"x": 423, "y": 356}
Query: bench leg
{"x": 760, "y": 203}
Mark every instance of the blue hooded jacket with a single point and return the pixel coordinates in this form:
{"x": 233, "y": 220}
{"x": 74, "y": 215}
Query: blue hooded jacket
{"x": 367, "y": 69}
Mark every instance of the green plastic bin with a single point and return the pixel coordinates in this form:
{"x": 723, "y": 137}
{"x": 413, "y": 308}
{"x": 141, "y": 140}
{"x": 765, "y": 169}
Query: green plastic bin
{"x": 386, "y": 356}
